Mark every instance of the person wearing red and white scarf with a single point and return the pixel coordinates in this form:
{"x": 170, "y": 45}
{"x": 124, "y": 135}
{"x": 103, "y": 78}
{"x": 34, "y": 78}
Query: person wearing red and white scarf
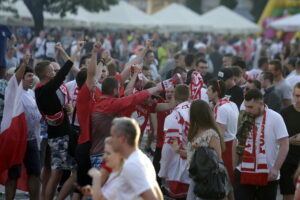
{"x": 173, "y": 163}
{"x": 226, "y": 115}
{"x": 265, "y": 150}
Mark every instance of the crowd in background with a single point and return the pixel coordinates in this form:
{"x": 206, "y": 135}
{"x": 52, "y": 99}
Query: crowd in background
{"x": 184, "y": 90}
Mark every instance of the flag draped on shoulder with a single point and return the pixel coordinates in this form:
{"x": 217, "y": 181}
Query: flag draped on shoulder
{"x": 13, "y": 136}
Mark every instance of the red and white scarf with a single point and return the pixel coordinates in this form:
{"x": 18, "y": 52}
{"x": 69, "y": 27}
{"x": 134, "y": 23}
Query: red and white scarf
{"x": 196, "y": 85}
{"x": 63, "y": 88}
{"x": 221, "y": 102}
{"x": 254, "y": 167}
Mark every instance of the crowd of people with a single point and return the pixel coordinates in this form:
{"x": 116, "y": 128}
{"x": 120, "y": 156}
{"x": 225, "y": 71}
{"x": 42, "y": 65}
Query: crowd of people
{"x": 145, "y": 115}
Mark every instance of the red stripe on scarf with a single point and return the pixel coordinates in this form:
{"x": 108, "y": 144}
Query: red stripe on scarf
{"x": 221, "y": 102}
{"x": 254, "y": 178}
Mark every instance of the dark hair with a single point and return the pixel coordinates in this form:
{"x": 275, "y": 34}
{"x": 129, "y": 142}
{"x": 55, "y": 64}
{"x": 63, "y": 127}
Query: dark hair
{"x": 148, "y": 52}
{"x": 297, "y": 85}
{"x": 237, "y": 71}
{"x": 202, "y": 117}
{"x": 149, "y": 84}
{"x": 253, "y": 94}
{"x": 218, "y": 86}
{"x": 228, "y": 55}
{"x": 27, "y": 70}
{"x": 256, "y": 83}
{"x": 109, "y": 84}
{"x": 128, "y": 127}
{"x": 178, "y": 70}
{"x": 83, "y": 59}
{"x": 189, "y": 59}
{"x": 180, "y": 53}
{"x": 41, "y": 69}
{"x": 146, "y": 68}
{"x": 262, "y": 61}
{"x": 81, "y": 77}
{"x": 201, "y": 61}
{"x": 182, "y": 92}
{"x": 277, "y": 65}
{"x": 298, "y": 64}
{"x": 268, "y": 76}
{"x": 240, "y": 63}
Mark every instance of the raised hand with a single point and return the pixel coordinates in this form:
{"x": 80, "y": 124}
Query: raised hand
{"x": 58, "y": 46}
{"x": 96, "y": 48}
{"x": 149, "y": 44}
{"x": 94, "y": 173}
{"x": 26, "y": 58}
{"x": 80, "y": 45}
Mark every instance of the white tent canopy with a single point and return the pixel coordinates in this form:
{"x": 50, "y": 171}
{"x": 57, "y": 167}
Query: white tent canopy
{"x": 179, "y": 18}
{"x": 124, "y": 15}
{"x": 291, "y": 23}
{"x": 225, "y": 21}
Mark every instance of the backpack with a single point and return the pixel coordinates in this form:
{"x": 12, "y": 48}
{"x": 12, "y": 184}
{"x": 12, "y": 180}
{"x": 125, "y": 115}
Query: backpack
{"x": 207, "y": 174}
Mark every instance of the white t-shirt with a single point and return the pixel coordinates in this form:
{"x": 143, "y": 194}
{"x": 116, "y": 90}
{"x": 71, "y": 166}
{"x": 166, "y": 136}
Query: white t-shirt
{"x": 253, "y": 74}
{"x": 275, "y": 129}
{"x": 137, "y": 176}
{"x": 204, "y": 96}
{"x": 110, "y": 188}
{"x": 32, "y": 114}
{"x": 228, "y": 115}
{"x": 293, "y": 80}
{"x": 73, "y": 91}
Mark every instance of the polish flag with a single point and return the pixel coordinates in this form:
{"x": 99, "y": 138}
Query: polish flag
{"x": 13, "y": 136}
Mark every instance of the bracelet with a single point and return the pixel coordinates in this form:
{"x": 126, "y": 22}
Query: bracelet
{"x": 177, "y": 151}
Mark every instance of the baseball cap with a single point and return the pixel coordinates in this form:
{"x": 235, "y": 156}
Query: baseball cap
{"x": 225, "y": 74}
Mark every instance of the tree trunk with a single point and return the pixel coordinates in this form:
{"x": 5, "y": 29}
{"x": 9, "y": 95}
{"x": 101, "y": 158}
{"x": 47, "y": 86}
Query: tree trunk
{"x": 35, "y": 7}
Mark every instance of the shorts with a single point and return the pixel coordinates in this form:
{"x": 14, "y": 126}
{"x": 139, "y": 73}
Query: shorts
{"x": 286, "y": 182}
{"x": 31, "y": 162}
{"x": 228, "y": 161}
{"x": 60, "y": 158}
{"x": 97, "y": 161}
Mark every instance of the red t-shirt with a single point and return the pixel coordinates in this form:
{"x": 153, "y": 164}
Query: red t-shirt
{"x": 160, "y": 125}
{"x": 85, "y": 101}
{"x": 140, "y": 113}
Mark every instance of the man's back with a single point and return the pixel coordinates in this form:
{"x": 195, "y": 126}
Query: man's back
{"x": 137, "y": 176}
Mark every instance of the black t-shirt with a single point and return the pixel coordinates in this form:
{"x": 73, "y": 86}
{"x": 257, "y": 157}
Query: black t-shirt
{"x": 291, "y": 118}
{"x": 236, "y": 95}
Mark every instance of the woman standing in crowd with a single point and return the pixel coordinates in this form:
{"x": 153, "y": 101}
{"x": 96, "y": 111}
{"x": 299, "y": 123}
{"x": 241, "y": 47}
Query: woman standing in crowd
{"x": 203, "y": 132}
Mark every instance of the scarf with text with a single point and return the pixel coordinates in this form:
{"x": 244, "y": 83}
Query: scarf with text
{"x": 254, "y": 167}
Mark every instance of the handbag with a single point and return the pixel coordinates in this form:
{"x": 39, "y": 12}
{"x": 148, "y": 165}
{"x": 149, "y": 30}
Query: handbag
{"x": 208, "y": 174}
{"x": 74, "y": 133}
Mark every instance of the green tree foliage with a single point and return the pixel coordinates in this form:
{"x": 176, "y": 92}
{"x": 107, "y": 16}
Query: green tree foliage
{"x": 258, "y": 8}
{"x": 194, "y": 5}
{"x": 231, "y": 4}
{"x": 37, "y": 7}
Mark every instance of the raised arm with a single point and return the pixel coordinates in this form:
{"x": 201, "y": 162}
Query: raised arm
{"x": 137, "y": 60}
{"x": 59, "y": 78}
{"x": 130, "y": 85}
{"x": 92, "y": 67}
{"x": 21, "y": 69}
{"x": 75, "y": 69}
